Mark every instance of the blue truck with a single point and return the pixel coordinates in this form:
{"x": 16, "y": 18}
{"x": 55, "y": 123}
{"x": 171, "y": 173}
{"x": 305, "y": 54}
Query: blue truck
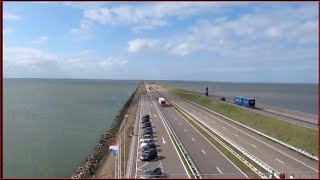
{"x": 243, "y": 101}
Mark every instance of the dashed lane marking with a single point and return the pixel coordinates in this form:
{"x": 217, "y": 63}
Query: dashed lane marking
{"x": 203, "y": 151}
{"x": 280, "y": 161}
{"x": 219, "y": 170}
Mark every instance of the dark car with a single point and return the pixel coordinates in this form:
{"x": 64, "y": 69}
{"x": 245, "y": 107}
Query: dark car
{"x": 149, "y": 154}
{"x": 146, "y": 116}
{"x": 146, "y": 129}
{"x": 146, "y": 124}
{"x": 222, "y": 99}
{"x": 147, "y": 132}
{"x": 149, "y": 146}
{"x": 152, "y": 173}
{"x": 145, "y": 120}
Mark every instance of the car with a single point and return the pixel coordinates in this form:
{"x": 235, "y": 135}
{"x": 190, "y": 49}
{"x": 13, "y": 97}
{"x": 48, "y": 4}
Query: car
{"x": 147, "y": 132}
{"x": 145, "y": 120}
{"x": 146, "y": 129}
{"x": 146, "y": 124}
{"x": 149, "y": 154}
{"x": 148, "y": 146}
{"x": 148, "y": 136}
{"x": 155, "y": 172}
{"x": 146, "y": 116}
{"x": 145, "y": 140}
{"x": 144, "y": 144}
{"x": 222, "y": 99}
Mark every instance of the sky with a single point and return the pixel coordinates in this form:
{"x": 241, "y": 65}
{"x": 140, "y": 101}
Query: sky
{"x": 201, "y": 41}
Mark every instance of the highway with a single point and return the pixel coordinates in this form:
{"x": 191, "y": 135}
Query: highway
{"x": 168, "y": 160}
{"x": 210, "y": 162}
{"x": 275, "y": 155}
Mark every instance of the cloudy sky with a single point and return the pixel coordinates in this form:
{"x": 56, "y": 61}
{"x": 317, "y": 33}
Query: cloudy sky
{"x": 212, "y": 41}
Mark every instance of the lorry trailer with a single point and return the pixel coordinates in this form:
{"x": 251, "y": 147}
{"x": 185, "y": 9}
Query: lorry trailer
{"x": 162, "y": 102}
{"x": 243, "y": 101}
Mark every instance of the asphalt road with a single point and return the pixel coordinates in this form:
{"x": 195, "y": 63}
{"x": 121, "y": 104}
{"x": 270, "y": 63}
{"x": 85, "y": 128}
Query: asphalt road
{"x": 275, "y": 155}
{"x": 210, "y": 162}
{"x": 168, "y": 159}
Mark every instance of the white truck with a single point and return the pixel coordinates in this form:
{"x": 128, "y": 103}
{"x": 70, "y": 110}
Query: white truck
{"x": 162, "y": 102}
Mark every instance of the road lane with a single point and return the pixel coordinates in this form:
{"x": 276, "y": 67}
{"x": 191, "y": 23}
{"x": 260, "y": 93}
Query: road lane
{"x": 168, "y": 159}
{"x": 205, "y": 162}
{"x": 265, "y": 149}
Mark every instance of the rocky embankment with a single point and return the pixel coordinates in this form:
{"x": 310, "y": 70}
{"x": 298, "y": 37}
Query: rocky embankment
{"x": 93, "y": 161}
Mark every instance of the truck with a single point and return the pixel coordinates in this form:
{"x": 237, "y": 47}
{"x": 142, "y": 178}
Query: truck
{"x": 246, "y": 102}
{"x": 162, "y": 102}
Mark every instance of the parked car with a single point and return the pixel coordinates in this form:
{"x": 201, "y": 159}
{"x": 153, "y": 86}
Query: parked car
{"x": 146, "y": 124}
{"x": 145, "y": 120}
{"x": 222, "y": 99}
{"x": 152, "y": 173}
{"x": 149, "y": 155}
{"x": 146, "y": 116}
{"x": 146, "y": 132}
{"x": 146, "y": 143}
{"x": 148, "y": 146}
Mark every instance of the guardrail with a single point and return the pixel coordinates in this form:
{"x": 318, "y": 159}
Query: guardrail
{"x": 185, "y": 154}
{"x": 312, "y": 156}
{"x": 254, "y": 169}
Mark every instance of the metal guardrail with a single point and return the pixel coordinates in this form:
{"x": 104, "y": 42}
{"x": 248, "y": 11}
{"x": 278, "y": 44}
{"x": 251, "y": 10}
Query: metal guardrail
{"x": 185, "y": 154}
{"x": 312, "y": 156}
{"x": 254, "y": 169}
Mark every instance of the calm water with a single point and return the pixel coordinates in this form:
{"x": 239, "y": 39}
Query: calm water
{"x": 299, "y": 97}
{"x": 50, "y": 126}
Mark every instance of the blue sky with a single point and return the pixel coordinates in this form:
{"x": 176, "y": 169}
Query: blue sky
{"x": 210, "y": 41}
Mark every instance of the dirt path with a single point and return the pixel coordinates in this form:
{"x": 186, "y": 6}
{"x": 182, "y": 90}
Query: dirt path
{"x": 107, "y": 167}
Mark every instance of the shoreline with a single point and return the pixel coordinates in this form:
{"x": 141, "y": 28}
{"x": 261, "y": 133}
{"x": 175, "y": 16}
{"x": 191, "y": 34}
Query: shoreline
{"x": 92, "y": 162}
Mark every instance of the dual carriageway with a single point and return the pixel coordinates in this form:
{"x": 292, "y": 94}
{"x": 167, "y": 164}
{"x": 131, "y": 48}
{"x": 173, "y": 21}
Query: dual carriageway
{"x": 208, "y": 161}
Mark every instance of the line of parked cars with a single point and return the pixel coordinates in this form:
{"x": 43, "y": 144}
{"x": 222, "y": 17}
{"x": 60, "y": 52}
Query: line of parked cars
{"x": 148, "y": 147}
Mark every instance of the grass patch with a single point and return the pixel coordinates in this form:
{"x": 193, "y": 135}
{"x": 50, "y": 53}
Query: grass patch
{"x": 301, "y": 137}
{"x": 244, "y": 168}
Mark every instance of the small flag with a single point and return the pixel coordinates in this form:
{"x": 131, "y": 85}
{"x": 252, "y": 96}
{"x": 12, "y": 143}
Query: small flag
{"x": 114, "y": 148}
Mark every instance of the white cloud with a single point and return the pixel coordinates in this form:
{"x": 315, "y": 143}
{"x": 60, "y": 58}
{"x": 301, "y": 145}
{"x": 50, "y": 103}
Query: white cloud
{"x": 10, "y": 16}
{"x": 40, "y": 40}
{"x": 139, "y": 44}
{"x": 276, "y": 34}
{"x": 146, "y": 16}
{"x": 32, "y": 62}
{"x": 24, "y": 56}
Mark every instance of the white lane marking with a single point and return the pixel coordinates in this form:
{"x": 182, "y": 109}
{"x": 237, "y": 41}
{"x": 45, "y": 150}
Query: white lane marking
{"x": 180, "y": 124}
{"x": 280, "y": 161}
{"x": 185, "y": 130}
{"x": 236, "y": 135}
{"x": 155, "y": 115}
{"x": 203, "y": 151}
{"x": 219, "y": 170}
{"x": 253, "y": 145}
{"x": 142, "y": 166}
{"x": 223, "y": 127}
{"x": 192, "y": 139}
{"x": 163, "y": 140}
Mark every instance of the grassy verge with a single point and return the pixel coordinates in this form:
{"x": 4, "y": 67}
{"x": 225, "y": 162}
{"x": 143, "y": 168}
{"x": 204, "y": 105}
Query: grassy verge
{"x": 244, "y": 168}
{"x": 304, "y": 138}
